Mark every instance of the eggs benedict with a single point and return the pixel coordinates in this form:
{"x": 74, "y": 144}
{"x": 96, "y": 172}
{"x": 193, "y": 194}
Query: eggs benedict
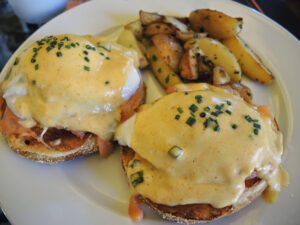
{"x": 201, "y": 153}
{"x": 65, "y": 95}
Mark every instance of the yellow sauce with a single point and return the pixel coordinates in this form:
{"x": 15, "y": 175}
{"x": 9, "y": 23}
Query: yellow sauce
{"x": 79, "y": 86}
{"x": 215, "y": 162}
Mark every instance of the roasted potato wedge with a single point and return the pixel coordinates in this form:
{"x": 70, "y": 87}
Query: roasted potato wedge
{"x": 169, "y": 49}
{"x": 188, "y": 66}
{"x": 250, "y": 63}
{"x": 217, "y": 24}
{"x": 127, "y": 39}
{"x": 136, "y": 28}
{"x": 158, "y": 28}
{"x": 218, "y": 54}
{"x": 162, "y": 71}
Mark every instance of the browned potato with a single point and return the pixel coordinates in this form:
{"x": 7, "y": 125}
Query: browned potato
{"x": 185, "y": 36}
{"x": 251, "y": 64}
{"x": 158, "y": 28}
{"x": 220, "y": 76}
{"x": 162, "y": 71}
{"x": 188, "y": 65}
{"x": 147, "y": 18}
{"x": 176, "y": 23}
{"x": 217, "y": 24}
{"x": 136, "y": 28}
{"x": 169, "y": 49}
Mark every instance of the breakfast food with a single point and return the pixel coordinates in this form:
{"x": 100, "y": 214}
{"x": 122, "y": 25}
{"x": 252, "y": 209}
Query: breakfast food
{"x": 201, "y": 153}
{"x": 65, "y": 95}
{"x": 189, "y": 49}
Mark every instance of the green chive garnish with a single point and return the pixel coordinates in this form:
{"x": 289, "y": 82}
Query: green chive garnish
{"x": 199, "y": 98}
{"x": 58, "y": 54}
{"x": 133, "y": 163}
{"x": 256, "y": 125}
{"x": 228, "y": 102}
{"x": 228, "y": 112}
{"x": 207, "y": 122}
{"x": 207, "y": 109}
{"x": 167, "y": 79}
{"x": 233, "y": 126}
{"x": 186, "y": 93}
{"x": 190, "y": 121}
{"x": 33, "y": 82}
{"x": 217, "y": 127}
{"x": 159, "y": 70}
{"x": 193, "y": 108}
{"x": 203, "y": 114}
{"x": 86, "y": 68}
{"x": 137, "y": 178}
{"x": 154, "y": 58}
{"x": 255, "y": 131}
{"x": 85, "y": 52}
{"x": 175, "y": 152}
{"x": 248, "y": 118}
{"x": 33, "y": 60}
{"x": 177, "y": 117}
{"x": 180, "y": 110}
{"x": 216, "y": 113}
{"x": 36, "y": 66}
{"x": 86, "y": 59}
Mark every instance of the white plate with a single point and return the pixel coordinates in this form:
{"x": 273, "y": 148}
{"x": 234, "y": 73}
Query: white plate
{"x": 93, "y": 190}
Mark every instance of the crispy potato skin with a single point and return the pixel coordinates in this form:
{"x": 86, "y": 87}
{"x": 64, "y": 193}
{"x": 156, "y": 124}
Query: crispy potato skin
{"x": 218, "y": 54}
{"x": 162, "y": 71}
{"x": 169, "y": 49}
{"x": 158, "y": 28}
{"x": 188, "y": 66}
{"x": 217, "y": 24}
{"x": 251, "y": 65}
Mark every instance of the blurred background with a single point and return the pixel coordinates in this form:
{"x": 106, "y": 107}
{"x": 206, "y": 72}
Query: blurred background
{"x": 19, "y": 19}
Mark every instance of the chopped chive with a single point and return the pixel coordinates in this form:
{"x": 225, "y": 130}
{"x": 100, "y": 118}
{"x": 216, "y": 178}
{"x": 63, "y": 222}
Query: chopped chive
{"x": 103, "y": 47}
{"x": 206, "y": 109}
{"x": 233, "y": 126}
{"x": 180, "y": 110}
{"x": 33, "y": 60}
{"x": 217, "y": 127}
{"x": 133, "y": 163}
{"x": 67, "y": 46}
{"x": 255, "y": 131}
{"x": 137, "y": 178}
{"x": 228, "y": 102}
{"x": 256, "y": 125}
{"x": 86, "y": 59}
{"x": 33, "y": 82}
{"x": 190, "y": 121}
{"x": 167, "y": 79}
{"x": 177, "y": 117}
{"x": 202, "y": 114}
{"x": 199, "y": 98}
{"x": 36, "y": 66}
{"x": 207, "y": 122}
{"x": 154, "y": 58}
{"x": 159, "y": 70}
{"x": 186, "y": 93}
{"x": 228, "y": 112}
{"x": 107, "y": 58}
{"x": 73, "y": 45}
{"x": 77, "y": 43}
{"x": 219, "y": 107}
{"x": 107, "y": 82}
{"x": 85, "y": 52}
{"x": 193, "y": 108}
{"x": 58, "y": 54}
{"x": 216, "y": 113}
{"x": 49, "y": 48}
{"x": 248, "y": 118}
{"x": 86, "y": 68}
{"x": 175, "y": 152}
{"x": 101, "y": 53}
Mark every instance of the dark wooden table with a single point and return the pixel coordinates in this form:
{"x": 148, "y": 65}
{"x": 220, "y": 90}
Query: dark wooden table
{"x": 284, "y": 12}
